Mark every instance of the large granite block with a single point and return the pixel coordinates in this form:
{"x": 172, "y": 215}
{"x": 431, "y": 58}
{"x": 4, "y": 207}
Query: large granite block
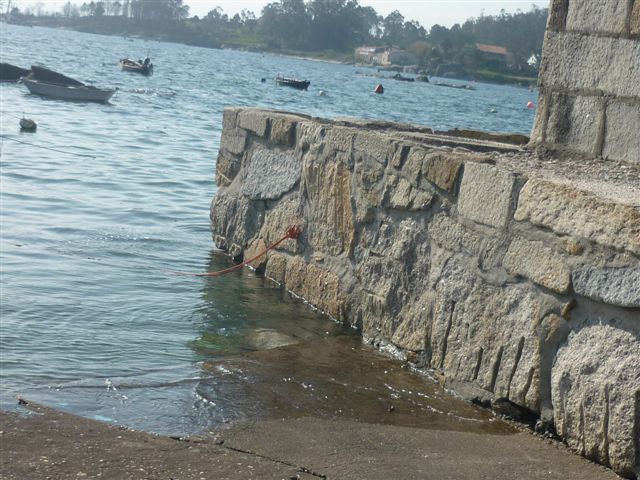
{"x": 615, "y": 286}
{"x": 569, "y": 211}
{"x": 539, "y": 263}
{"x": 270, "y": 174}
{"x": 373, "y": 145}
{"x": 485, "y": 194}
{"x": 320, "y": 287}
{"x": 233, "y": 141}
{"x": 283, "y": 130}
{"x": 595, "y": 391}
{"x": 622, "y": 141}
{"x": 575, "y": 122}
{"x": 254, "y": 121}
{"x": 230, "y": 119}
{"x": 330, "y": 216}
{"x": 486, "y": 335}
{"x": 577, "y": 62}
{"x": 602, "y": 16}
{"x": 442, "y": 170}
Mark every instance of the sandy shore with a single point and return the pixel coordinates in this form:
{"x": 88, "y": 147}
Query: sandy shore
{"x": 52, "y": 445}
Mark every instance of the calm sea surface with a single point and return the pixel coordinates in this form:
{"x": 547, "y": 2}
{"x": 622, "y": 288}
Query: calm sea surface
{"x": 92, "y": 319}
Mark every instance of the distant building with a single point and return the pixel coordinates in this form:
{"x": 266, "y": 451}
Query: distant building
{"x": 495, "y": 55}
{"x": 384, "y": 56}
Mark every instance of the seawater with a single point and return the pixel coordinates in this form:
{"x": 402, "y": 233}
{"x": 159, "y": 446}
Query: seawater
{"x": 92, "y": 319}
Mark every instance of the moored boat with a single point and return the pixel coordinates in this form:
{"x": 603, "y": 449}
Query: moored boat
{"x": 143, "y": 67}
{"x": 85, "y": 93}
{"x": 292, "y": 82}
{"x": 11, "y": 73}
{"x": 44, "y": 75}
{"x": 400, "y": 78}
{"x": 45, "y": 82}
{"x": 452, "y": 85}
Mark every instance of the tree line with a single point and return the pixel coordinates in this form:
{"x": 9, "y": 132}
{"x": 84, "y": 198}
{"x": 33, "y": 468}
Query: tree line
{"x": 325, "y": 25}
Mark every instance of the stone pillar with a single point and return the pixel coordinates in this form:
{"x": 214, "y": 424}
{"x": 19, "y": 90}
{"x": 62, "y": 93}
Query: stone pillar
{"x": 590, "y": 80}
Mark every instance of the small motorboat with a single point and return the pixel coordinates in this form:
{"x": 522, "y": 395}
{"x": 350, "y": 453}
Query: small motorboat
{"x": 144, "y": 67}
{"x": 452, "y": 85}
{"x": 292, "y": 82}
{"x": 11, "y": 73}
{"x": 400, "y": 78}
{"x": 47, "y": 83}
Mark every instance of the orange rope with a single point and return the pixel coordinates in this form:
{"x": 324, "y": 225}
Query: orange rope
{"x": 293, "y": 232}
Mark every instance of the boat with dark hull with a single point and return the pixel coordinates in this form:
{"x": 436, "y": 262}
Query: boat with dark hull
{"x": 47, "y": 83}
{"x": 137, "y": 66}
{"x": 400, "y": 78}
{"x": 45, "y": 75}
{"x": 292, "y": 82}
{"x": 452, "y": 85}
{"x": 11, "y": 73}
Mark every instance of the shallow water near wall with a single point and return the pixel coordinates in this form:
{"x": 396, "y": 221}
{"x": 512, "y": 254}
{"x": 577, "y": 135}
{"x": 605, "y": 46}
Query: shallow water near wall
{"x": 93, "y": 319}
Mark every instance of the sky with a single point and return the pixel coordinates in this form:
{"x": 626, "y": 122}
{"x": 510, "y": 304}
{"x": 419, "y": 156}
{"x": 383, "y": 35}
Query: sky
{"x": 427, "y": 12}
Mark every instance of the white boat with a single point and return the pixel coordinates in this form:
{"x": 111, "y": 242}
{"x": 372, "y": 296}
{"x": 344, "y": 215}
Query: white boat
{"x": 83, "y": 93}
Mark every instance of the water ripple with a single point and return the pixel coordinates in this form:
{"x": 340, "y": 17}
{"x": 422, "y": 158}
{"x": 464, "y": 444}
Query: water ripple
{"x": 89, "y": 245}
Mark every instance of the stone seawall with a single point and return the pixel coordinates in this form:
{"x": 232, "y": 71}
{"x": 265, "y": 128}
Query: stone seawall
{"x": 516, "y": 281}
{"x": 590, "y": 79}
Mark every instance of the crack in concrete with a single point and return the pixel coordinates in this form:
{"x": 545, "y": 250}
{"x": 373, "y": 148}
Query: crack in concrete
{"x": 301, "y": 469}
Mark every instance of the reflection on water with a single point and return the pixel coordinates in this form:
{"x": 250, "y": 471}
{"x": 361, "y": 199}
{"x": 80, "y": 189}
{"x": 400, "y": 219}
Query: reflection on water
{"x": 243, "y": 312}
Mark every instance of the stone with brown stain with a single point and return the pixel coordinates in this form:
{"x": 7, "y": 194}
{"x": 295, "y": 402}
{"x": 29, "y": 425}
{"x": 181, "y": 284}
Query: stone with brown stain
{"x": 330, "y": 219}
{"x": 320, "y": 287}
{"x": 283, "y": 131}
{"x": 442, "y": 170}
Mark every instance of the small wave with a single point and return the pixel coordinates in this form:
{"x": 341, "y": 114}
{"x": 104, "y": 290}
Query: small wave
{"x": 153, "y": 91}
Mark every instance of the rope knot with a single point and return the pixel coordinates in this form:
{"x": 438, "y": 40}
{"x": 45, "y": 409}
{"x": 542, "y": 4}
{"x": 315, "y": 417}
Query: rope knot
{"x": 294, "y": 232}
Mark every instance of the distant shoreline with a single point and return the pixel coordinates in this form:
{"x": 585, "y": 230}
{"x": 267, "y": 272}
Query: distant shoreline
{"x": 325, "y": 57}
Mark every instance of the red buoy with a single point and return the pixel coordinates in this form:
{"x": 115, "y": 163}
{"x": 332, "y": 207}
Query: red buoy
{"x": 379, "y": 88}
{"x": 531, "y": 105}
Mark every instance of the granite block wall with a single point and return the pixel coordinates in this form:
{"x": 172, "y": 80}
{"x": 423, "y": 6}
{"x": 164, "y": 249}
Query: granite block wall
{"x": 517, "y": 287}
{"x": 590, "y": 80}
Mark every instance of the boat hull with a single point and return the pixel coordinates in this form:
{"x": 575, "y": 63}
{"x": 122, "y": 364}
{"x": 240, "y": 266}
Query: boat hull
{"x": 80, "y": 94}
{"x": 11, "y": 73}
{"x": 136, "y": 67}
{"x": 297, "y": 84}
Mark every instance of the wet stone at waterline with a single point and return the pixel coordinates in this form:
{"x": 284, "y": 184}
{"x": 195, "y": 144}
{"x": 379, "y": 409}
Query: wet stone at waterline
{"x": 339, "y": 378}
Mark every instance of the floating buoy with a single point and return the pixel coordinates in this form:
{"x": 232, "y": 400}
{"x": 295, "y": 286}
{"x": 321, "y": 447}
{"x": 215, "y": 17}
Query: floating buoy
{"x": 28, "y": 125}
{"x": 322, "y": 93}
{"x": 531, "y": 105}
{"x": 379, "y": 88}
{"x": 493, "y": 110}
{"x": 263, "y": 80}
